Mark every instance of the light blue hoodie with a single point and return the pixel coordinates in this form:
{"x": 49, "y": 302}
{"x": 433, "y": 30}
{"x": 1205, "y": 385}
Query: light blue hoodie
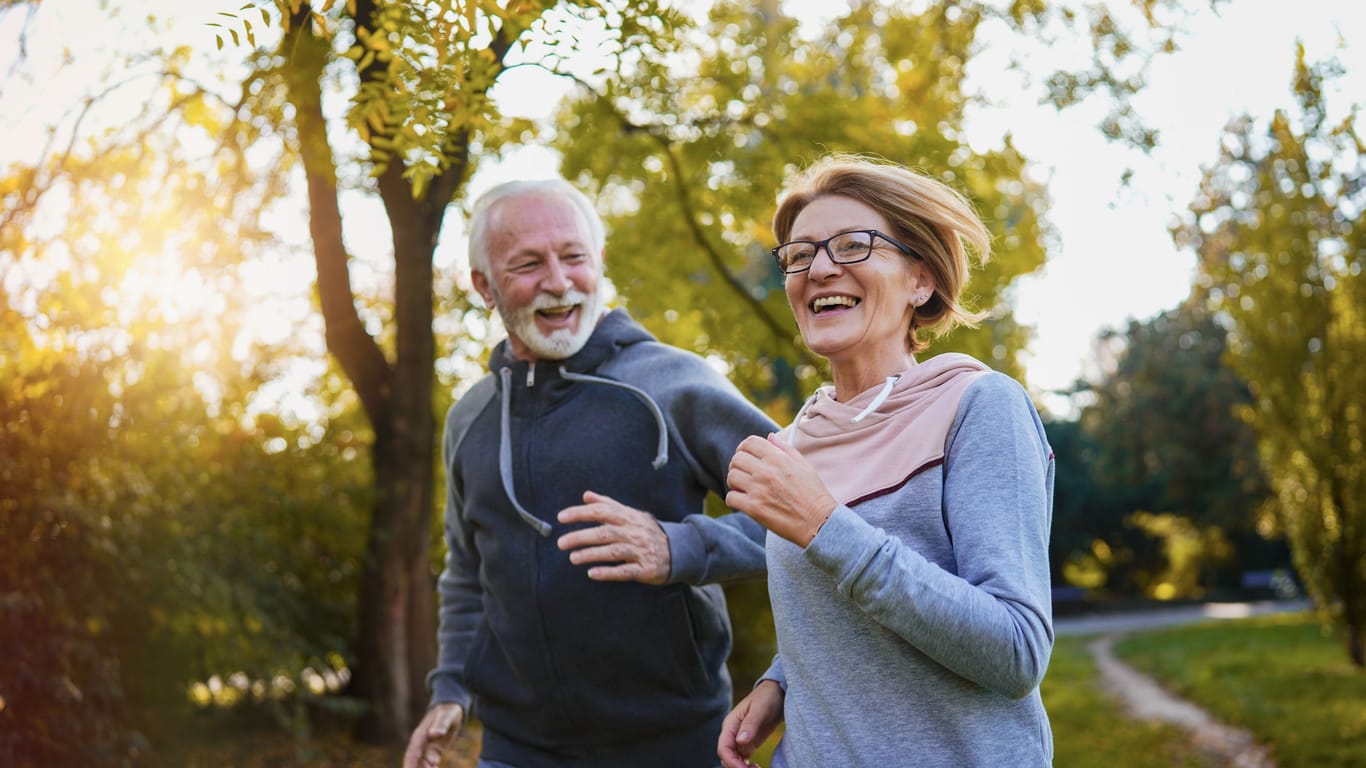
{"x": 916, "y": 627}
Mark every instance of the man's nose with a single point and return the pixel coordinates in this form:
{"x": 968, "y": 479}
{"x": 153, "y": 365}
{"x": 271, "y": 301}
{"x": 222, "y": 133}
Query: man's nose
{"x": 556, "y": 279}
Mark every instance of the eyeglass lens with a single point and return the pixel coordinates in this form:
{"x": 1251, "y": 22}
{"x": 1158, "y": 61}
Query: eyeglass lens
{"x": 844, "y": 248}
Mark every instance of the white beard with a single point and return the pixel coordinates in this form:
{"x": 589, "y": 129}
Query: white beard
{"x": 557, "y": 345}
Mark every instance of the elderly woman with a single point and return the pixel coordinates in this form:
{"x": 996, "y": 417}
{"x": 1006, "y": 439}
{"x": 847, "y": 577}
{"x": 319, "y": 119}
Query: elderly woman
{"x": 908, "y": 505}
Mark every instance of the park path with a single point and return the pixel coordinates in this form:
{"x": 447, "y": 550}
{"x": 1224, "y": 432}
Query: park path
{"x": 1145, "y": 699}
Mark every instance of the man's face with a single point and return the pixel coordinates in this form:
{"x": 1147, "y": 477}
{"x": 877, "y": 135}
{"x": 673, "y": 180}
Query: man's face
{"x": 543, "y": 276}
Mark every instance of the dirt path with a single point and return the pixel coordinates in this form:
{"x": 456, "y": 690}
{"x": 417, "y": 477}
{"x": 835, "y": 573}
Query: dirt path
{"x": 1145, "y": 699}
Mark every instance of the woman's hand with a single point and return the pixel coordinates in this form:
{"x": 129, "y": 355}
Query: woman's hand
{"x": 750, "y": 724}
{"x": 774, "y": 484}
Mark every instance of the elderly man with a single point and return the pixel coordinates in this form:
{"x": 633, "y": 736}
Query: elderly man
{"x": 581, "y": 617}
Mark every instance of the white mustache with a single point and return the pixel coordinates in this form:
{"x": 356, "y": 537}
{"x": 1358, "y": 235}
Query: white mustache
{"x": 550, "y": 301}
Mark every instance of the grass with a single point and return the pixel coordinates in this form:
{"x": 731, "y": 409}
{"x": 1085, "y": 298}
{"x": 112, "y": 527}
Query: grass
{"x": 1282, "y": 677}
{"x": 1091, "y": 731}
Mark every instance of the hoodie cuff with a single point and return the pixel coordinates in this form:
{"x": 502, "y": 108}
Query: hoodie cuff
{"x": 844, "y": 543}
{"x": 446, "y": 690}
{"x": 687, "y": 553}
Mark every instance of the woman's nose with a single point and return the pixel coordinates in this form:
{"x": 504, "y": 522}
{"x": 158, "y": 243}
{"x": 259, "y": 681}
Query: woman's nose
{"x": 822, "y": 264}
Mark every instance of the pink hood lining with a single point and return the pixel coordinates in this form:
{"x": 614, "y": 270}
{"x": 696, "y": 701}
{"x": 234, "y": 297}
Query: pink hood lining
{"x": 902, "y": 437}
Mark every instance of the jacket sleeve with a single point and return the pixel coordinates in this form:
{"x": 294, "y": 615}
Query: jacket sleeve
{"x": 712, "y": 417}
{"x": 461, "y": 598}
{"x": 991, "y": 622}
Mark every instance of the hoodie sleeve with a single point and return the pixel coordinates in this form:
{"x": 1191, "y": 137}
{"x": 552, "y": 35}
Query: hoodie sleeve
{"x": 711, "y": 418}
{"x": 990, "y": 622}
{"x": 461, "y": 597}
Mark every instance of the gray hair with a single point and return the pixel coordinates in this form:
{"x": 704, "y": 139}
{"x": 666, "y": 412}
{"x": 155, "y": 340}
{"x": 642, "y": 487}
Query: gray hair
{"x": 483, "y": 217}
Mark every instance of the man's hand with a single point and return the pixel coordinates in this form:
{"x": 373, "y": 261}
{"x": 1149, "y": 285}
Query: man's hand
{"x": 630, "y": 539}
{"x": 433, "y": 736}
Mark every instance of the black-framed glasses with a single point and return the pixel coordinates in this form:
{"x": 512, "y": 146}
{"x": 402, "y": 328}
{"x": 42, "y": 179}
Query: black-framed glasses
{"x": 844, "y": 248}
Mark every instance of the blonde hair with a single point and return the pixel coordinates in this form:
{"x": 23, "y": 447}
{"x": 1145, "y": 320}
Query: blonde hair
{"x": 937, "y": 222}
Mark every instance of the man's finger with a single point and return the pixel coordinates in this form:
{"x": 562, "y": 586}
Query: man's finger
{"x": 600, "y": 535}
{"x": 584, "y": 513}
{"x": 608, "y": 553}
{"x": 623, "y": 572}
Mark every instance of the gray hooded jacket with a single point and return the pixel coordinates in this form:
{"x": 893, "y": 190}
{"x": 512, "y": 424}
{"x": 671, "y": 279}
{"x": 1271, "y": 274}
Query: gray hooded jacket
{"x": 559, "y": 668}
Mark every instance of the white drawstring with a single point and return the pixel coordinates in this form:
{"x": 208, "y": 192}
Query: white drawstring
{"x": 881, "y": 397}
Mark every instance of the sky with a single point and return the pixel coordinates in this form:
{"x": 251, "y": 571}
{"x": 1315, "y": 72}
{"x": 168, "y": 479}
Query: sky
{"x": 1113, "y": 260}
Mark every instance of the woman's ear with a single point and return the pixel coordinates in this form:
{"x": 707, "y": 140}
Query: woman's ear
{"x": 922, "y": 286}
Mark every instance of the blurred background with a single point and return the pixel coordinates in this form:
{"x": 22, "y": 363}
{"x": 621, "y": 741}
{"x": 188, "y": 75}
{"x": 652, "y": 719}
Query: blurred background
{"x": 234, "y": 304}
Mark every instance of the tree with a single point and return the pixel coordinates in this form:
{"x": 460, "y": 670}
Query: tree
{"x": 420, "y": 111}
{"x": 1176, "y": 473}
{"x": 417, "y": 79}
{"x": 153, "y": 532}
{"x": 1281, "y": 253}
{"x": 390, "y": 101}
{"x": 688, "y": 158}
{"x": 689, "y": 154}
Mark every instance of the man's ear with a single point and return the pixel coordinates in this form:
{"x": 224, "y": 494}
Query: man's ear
{"x": 481, "y": 284}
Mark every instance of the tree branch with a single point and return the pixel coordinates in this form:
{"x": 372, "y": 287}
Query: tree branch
{"x": 699, "y": 234}
{"x": 355, "y": 349}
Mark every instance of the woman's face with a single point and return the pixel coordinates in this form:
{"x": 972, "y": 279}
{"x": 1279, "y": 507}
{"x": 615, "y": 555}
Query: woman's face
{"x": 854, "y": 313}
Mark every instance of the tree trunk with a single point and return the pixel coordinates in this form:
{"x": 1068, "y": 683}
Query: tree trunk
{"x": 395, "y": 641}
{"x": 396, "y": 629}
{"x": 396, "y": 634}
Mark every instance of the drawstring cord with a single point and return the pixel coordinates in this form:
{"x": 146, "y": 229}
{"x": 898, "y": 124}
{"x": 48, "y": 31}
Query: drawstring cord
{"x": 662, "y": 448}
{"x": 505, "y": 457}
{"x": 879, "y": 400}
{"x": 505, "y": 439}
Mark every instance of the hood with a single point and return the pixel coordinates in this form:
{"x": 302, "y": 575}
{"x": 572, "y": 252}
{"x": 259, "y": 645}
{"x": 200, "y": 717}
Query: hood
{"x": 877, "y": 440}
